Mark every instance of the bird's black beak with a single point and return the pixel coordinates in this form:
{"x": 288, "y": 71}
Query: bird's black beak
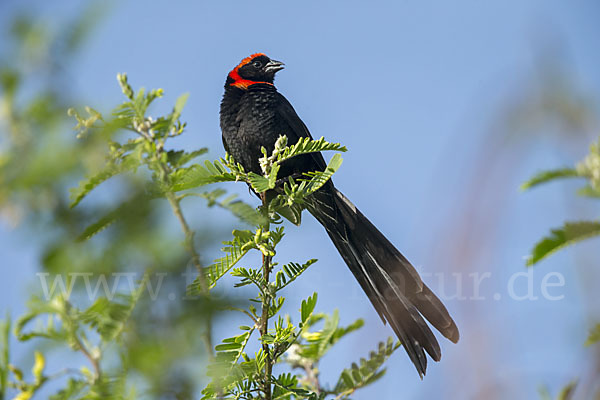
{"x": 274, "y": 66}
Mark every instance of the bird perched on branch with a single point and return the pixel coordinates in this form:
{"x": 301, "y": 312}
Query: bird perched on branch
{"x": 253, "y": 115}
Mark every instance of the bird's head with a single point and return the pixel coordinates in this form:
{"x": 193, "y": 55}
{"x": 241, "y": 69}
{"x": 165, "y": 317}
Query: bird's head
{"x": 257, "y": 68}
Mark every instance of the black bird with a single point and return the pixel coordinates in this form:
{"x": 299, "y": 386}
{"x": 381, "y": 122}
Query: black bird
{"x": 253, "y": 115}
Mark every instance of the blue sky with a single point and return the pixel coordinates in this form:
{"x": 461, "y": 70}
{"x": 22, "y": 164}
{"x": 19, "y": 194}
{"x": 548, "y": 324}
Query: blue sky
{"x": 418, "y": 92}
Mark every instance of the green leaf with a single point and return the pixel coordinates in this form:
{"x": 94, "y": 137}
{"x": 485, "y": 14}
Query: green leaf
{"x": 57, "y": 308}
{"x": 240, "y": 209}
{"x": 259, "y": 183}
{"x": 179, "y": 104}
{"x": 234, "y": 250}
{"x": 307, "y": 145}
{"x": 367, "y": 371}
{"x": 594, "y": 336}
{"x": 570, "y": 233}
{"x": 292, "y": 213}
{"x": 290, "y": 272}
{"x": 567, "y": 392}
{"x": 222, "y": 369}
{"x": 287, "y": 385}
{"x": 276, "y": 307}
{"x": 341, "y": 332}
{"x": 136, "y": 208}
{"x": 320, "y": 342}
{"x": 273, "y": 175}
{"x": 307, "y": 307}
{"x": 139, "y": 103}
{"x": 99, "y": 225}
{"x": 547, "y": 176}
{"x": 108, "y": 317}
{"x": 320, "y": 178}
{"x": 180, "y": 157}
{"x": 198, "y": 175}
{"x": 127, "y": 163}
{"x": 249, "y": 276}
{"x": 295, "y": 194}
{"x": 589, "y": 191}
{"x": 38, "y": 368}
{"x": 243, "y": 211}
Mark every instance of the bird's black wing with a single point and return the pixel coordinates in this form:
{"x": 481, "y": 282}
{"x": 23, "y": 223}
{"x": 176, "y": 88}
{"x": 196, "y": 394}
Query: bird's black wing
{"x": 297, "y": 129}
{"x": 391, "y": 283}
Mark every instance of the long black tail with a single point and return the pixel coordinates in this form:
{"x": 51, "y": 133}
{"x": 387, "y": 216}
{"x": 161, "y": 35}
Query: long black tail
{"x": 387, "y": 277}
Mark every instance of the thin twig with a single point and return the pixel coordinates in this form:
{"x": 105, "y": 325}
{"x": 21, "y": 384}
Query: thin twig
{"x": 245, "y": 312}
{"x": 93, "y": 360}
{"x": 344, "y": 394}
{"x": 174, "y": 202}
{"x": 264, "y": 320}
{"x": 191, "y": 248}
{"x": 189, "y": 238}
{"x": 312, "y": 376}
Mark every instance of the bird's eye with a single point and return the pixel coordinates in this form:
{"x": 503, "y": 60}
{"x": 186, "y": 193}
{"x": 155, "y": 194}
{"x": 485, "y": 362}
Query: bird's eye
{"x": 257, "y": 64}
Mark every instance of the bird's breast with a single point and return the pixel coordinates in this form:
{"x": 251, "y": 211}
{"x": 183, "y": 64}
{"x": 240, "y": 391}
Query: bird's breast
{"x": 248, "y": 123}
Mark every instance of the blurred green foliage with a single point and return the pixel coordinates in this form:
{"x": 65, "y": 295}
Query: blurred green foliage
{"x": 570, "y": 232}
{"x": 575, "y": 231}
{"x": 40, "y": 159}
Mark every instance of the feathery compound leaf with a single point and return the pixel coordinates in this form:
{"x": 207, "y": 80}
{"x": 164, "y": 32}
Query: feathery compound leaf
{"x": 320, "y": 178}
{"x": 179, "y": 104}
{"x": 286, "y": 385}
{"x": 180, "y": 157}
{"x": 109, "y": 317}
{"x": 320, "y": 342}
{"x": 230, "y": 350}
{"x": 240, "y": 209}
{"x": 307, "y": 145}
{"x": 569, "y": 234}
{"x": 243, "y": 211}
{"x": 341, "y": 332}
{"x": 289, "y": 273}
{"x": 127, "y": 163}
{"x": 292, "y": 213}
{"x": 224, "y": 370}
{"x": 249, "y": 276}
{"x": 367, "y": 372}
{"x": 235, "y": 250}
{"x": 101, "y": 224}
{"x": 260, "y": 183}
{"x": 547, "y": 176}
{"x": 294, "y": 193}
{"x": 134, "y": 207}
{"x": 307, "y": 307}
{"x": 56, "y": 309}
{"x": 198, "y": 175}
